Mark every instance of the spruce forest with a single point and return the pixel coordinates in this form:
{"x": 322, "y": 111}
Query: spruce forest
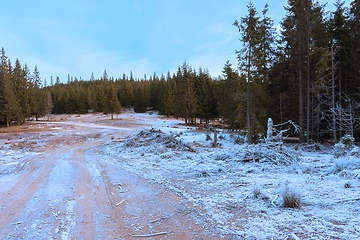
{"x": 307, "y": 72}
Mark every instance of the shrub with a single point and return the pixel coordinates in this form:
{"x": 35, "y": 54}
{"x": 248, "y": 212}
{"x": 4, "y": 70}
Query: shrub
{"x": 348, "y": 141}
{"x": 339, "y": 165}
{"x": 256, "y": 191}
{"x": 345, "y": 145}
{"x": 291, "y": 197}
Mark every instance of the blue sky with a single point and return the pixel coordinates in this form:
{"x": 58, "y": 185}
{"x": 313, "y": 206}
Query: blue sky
{"x": 79, "y": 37}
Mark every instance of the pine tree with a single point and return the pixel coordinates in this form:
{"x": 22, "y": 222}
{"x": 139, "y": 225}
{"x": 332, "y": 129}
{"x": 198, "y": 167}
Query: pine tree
{"x": 295, "y": 35}
{"x": 9, "y": 106}
{"x": 139, "y": 100}
{"x": 228, "y": 97}
{"x": 127, "y": 92}
{"x": 21, "y": 85}
{"x": 257, "y": 36}
{"x": 2, "y": 84}
{"x": 154, "y": 91}
{"x": 354, "y": 25}
{"x": 113, "y": 104}
{"x": 206, "y": 99}
{"x": 37, "y": 96}
{"x": 92, "y": 78}
{"x": 49, "y": 104}
{"x": 166, "y": 97}
{"x": 185, "y": 97}
{"x": 100, "y": 100}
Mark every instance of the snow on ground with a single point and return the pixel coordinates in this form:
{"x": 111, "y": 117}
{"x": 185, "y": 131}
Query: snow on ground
{"x": 239, "y": 186}
{"x": 236, "y": 187}
{"x": 14, "y": 151}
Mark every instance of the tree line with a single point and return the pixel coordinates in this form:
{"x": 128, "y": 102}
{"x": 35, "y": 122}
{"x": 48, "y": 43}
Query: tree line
{"x": 21, "y": 94}
{"x": 308, "y": 72}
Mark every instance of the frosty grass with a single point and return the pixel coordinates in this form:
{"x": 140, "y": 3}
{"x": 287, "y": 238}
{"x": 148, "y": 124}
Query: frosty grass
{"x": 222, "y": 182}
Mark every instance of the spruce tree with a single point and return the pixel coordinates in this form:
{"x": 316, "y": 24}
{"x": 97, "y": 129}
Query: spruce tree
{"x": 9, "y": 106}
{"x": 228, "y": 91}
{"x": 113, "y": 104}
{"x": 254, "y": 62}
{"x": 37, "y": 95}
{"x": 354, "y": 24}
{"x": 167, "y": 98}
{"x": 139, "y": 100}
{"x": 49, "y": 105}
{"x": 100, "y": 101}
{"x": 295, "y": 37}
{"x": 19, "y": 88}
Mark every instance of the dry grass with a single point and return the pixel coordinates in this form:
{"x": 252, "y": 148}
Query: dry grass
{"x": 291, "y": 197}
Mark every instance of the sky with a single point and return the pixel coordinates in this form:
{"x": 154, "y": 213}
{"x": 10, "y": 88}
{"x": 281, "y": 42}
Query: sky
{"x": 78, "y": 38}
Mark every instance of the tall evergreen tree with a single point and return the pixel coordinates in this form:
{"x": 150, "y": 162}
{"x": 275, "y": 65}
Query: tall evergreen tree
{"x": 9, "y": 106}
{"x": 37, "y": 96}
{"x": 21, "y": 89}
{"x": 139, "y": 100}
{"x": 113, "y": 104}
{"x": 295, "y": 36}
{"x": 248, "y": 28}
{"x": 228, "y": 92}
{"x": 354, "y": 24}
{"x": 100, "y": 101}
{"x": 166, "y": 97}
{"x": 206, "y": 107}
{"x": 255, "y": 59}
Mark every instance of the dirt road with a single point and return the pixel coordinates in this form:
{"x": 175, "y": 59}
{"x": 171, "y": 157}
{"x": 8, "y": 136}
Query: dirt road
{"x": 70, "y": 190}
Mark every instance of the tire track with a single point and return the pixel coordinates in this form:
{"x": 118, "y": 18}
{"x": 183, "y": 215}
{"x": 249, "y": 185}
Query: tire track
{"x": 28, "y": 184}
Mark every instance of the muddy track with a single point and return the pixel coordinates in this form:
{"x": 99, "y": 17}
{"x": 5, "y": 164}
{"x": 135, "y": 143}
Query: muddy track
{"x": 71, "y": 191}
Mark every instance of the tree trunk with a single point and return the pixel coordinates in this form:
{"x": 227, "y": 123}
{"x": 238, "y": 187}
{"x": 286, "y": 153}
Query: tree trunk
{"x": 301, "y": 111}
{"x": 333, "y": 95}
{"x": 248, "y": 104}
{"x": 308, "y": 131}
{"x": 308, "y": 76}
{"x": 340, "y": 100}
{"x": 215, "y": 138}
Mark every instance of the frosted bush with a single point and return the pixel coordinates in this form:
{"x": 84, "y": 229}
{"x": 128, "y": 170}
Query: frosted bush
{"x": 339, "y": 165}
{"x": 348, "y": 141}
{"x": 256, "y": 191}
{"x": 305, "y": 168}
{"x": 344, "y": 147}
{"x": 291, "y": 196}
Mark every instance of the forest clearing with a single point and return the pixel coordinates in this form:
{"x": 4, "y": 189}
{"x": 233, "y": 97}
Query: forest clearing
{"x": 158, "y": 150}
{"x": 149, "y": 176}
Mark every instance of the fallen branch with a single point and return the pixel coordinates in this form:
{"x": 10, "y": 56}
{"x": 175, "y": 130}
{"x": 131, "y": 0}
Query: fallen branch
{"x": 294, "y": 236}
{"x": 119, "y": 203}
{"x": 16, "y": 223}
{"x": 155, "y": 220}
{"x": 152, "y": 234}
{"x": 347, "y": 200}
{"x": 272, "y": 202}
